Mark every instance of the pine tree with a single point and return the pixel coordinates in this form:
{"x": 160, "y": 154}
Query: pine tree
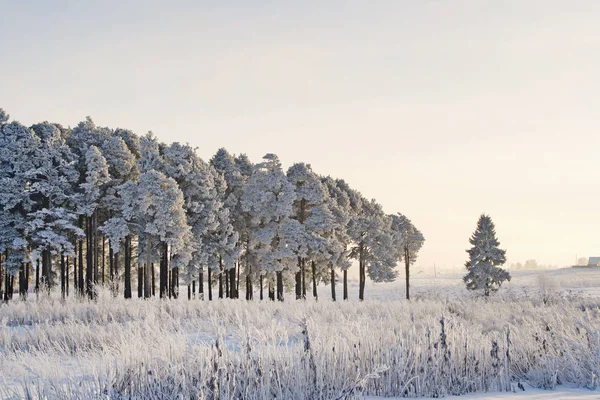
{"x": 407, "y": 240}
{"x": 485, "y": 257}
{"x": 268, "y": 198}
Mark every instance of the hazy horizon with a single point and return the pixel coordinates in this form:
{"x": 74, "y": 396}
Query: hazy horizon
{"x": 439, "y": 110}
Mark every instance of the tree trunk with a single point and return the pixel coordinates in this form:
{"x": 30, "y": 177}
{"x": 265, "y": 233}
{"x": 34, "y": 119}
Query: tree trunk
{"x": 232, "y": 286}
{"x": 95, "y": 245}
{"x": 314, "y": 280}
{"x": 103, "y": 258}
{"x": 303, "y": 271}
{"x": 1, "y": 278}
{"x": 361, "y": 289}
{"x": 127, "y": 261}
{"x": 260, "y": 285}
{"x": 46, "y": 270}
{"x": 248, "y": 282}
{"x": 201, "y": 285}
{"x": 22, "y": 282}
{"x": 227, "y": 294}
{"x": 153, "y": 280}
{"x": 27, "y": 269}
{"x": 66, "y": 276}
{"x": 140, "y": 281}
{"x": 194, "y": 289}
{"x": 147, "y": 281}
{"x": 209, "y": 279}
{"x": 271, "y": 291}
{"x": 407, "y": 270}
{"x": 299, "y": 280}
{"x": 37, "y": 276}
{"x": 220, "y": 277}
{"x": 75, "y": 277}
{"x": 63, "y": 283}
{"x": 189, "y": 292}
{"x": 80, "y": 282}
{"x": 89, "y": 259}
{"x": 332, "y": 284}
{"x": 279, "y": 286}
{"x": 163, "y": 285}
{"x": 116, "y": 278}
{"x": 175, "y": 282}
{"x": 345, "y": 284}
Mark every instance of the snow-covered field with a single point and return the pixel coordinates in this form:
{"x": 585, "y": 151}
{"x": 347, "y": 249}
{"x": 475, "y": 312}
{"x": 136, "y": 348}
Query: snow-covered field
{"x": 541, "y": 333}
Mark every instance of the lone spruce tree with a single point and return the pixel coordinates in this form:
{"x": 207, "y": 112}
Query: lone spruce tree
{"x": 485, "y": 258}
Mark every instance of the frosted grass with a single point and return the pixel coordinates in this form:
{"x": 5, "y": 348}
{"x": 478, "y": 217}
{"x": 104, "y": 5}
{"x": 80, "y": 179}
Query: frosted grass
{"x": 302, "y": 350}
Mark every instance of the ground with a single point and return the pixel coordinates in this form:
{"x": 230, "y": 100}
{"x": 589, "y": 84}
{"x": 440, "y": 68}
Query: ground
{"x": 541, "y": 332}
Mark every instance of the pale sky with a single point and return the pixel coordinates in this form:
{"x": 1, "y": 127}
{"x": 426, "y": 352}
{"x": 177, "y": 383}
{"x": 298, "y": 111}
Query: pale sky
{"x": 441, "y": 110}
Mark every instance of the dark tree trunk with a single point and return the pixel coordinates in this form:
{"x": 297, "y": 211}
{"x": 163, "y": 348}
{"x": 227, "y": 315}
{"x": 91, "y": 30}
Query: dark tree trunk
{"x": 75, "y": 275}
{"x": 67, "y": 276}
{"x": 194, "y": 289}
{"x": 314, "y": 280}
{"x": 407, "y": 270}
{"x": 232, "y": 287}
{"x": 153, "y": 280}
{"x": 116, "y": 278}
{"x": 260, "y": 285}
{"x": 127, "y": 262}
{"x": 271, "y": 291}
{"x": 37, "y": 276}
{"x": 332, "y": 284}
{"x": 89, "y": 253}
{"x": 164, "y": 272}
{"x": 237, "y": 283}
{"x": 345, "y": 284}
{"x": 140, "y": 286}
{"x": 103, "y": 259}
{"x": 175, "y": 282}
{"x": 201, "y": 285}
{"x": 299, "y": 280}
{"x": 63, "y": 281}
{"x": 95, "y": 245}
{"x": 227, "y": 294}
{"x": 23, "y": 281}
{"x": 303, "y": 271}
{"x": 249, "y": 294}
{"x": 80, "y": 282}
{"x": 279, "y": 286}
{"x": 1, "y": 279}
{"x": 27, "y": 269}
{"x": 46, "y": 281}
{"x": 361, "y": 283}
{"x": 189, "y": 292}
{"x": 209, "y": 281}
{"x": 220, "y": 277}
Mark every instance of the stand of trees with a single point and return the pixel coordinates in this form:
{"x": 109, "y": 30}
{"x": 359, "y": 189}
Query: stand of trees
{"x": 92, "y": 205}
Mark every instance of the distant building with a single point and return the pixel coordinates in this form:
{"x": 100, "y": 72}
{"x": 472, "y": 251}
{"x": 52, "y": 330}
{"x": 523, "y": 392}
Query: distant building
{"x": 594, "y": 262}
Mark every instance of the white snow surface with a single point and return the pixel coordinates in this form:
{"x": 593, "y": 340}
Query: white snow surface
{"x": 81, "y": 349}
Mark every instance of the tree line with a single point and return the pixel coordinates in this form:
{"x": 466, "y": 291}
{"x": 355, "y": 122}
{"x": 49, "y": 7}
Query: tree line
{"x": 93, "y": 205}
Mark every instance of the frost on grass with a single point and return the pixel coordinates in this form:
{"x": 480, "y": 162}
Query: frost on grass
{"x": 231, "y": 349}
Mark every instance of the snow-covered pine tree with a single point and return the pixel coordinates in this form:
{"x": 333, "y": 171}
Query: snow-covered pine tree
{"x": 268, "y": 198}
{"x": 225, "y": 164}
{"x": 370, "y": 230}
{"x": 338, "y": 239}
{"x": 315, "y": 219}
{"x": 51, "y": 225}
{"x": 122, "y": 168}
{"x": 485, "y": 259}
{"x": 407, "y": 241}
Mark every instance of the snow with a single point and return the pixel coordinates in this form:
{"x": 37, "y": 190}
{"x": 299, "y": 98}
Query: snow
{"x": 76, "y": 349}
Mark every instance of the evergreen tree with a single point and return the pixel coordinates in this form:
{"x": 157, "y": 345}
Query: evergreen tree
{"x": 407, "y": 240}
{"x": 268, "y": 197}
{"x": 485, "y": 257}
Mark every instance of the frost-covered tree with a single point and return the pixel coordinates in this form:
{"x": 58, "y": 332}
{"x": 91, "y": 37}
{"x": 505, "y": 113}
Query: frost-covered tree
{"x": 370, "y": 230}
{"x": 485, "y": 259}
{"x": 268, "y": 197}
{"x": 51, "y": 224}
{"x": 338, "y": 239}
{"x": 156, "y": 207}
{"x": 225, "y": 164}
{"x": 407, "y": 240}
{"x": 315, "y": 218}
{"x": 122, "y": 167}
